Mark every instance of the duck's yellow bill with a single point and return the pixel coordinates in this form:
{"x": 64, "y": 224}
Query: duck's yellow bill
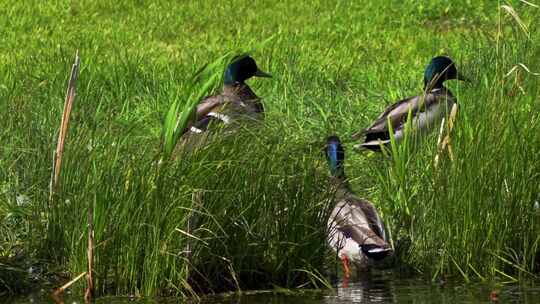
{"x": 260, "y": 73}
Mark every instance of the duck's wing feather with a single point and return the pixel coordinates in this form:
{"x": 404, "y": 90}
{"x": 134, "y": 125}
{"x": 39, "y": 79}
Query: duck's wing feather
{"x": 375, "y": 222}
{"x": 208, "y": 104}
{"x": 358, "y": 219}
{"x": 397, "y": 115}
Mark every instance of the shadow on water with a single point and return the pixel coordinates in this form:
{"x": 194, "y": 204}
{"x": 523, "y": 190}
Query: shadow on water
{"x": 376, "y": 287}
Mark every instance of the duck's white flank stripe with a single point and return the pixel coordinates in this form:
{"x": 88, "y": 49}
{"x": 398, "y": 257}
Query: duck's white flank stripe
{"x": 195, "y": 130}
{"x": 226, "y": 119}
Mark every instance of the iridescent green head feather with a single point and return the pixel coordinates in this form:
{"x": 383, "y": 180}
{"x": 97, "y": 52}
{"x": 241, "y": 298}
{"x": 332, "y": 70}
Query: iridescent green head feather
{"x": 242, "y": 68}
{"x": 440, "y": 69}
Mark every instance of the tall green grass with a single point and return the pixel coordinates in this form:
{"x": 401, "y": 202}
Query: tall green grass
{"x": 254, "y": 221}
{"x": 256, "y": 203}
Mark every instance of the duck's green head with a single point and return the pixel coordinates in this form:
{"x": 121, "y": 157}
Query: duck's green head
{"x": 440, "y": 69}
{"x": 335, "y": 155}
{"x": 242, "y": 68}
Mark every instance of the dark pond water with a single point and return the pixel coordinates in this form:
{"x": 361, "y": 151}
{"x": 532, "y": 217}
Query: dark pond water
{"x": 373, "y": 288}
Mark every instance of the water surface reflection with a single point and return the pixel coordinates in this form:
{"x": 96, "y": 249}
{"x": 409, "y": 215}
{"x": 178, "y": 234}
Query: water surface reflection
{"x": 375, "y": 287}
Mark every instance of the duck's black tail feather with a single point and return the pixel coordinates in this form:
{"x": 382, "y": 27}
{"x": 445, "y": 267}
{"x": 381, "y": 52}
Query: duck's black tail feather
{"x": 376, "y": 252}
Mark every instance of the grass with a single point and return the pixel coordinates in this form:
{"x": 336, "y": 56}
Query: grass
{"x": 259, "y": 199}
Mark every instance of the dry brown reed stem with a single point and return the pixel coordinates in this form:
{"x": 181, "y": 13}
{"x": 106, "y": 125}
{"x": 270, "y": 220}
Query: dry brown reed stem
{"x": 90, "y": 254}
{"x": 61, "y": 289}
{"x": 68, "y": 105}
{"x": 445, "y": 143}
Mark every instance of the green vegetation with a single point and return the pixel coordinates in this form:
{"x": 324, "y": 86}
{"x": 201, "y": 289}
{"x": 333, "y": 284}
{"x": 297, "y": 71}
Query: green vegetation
{"x": 258, "y": 201}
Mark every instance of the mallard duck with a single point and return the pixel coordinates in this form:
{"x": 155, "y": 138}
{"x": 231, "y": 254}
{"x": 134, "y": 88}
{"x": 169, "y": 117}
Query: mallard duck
{"x": 236, "y": 103}
{"x": 427, "y": 110}
{"x": 236, "y": 98}
{"x": 356, "y": 230}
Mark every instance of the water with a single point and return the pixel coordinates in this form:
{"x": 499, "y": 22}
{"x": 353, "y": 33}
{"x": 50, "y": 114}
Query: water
{"x": 373, "y": 288}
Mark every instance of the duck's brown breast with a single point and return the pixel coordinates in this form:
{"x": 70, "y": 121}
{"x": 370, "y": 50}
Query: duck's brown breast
{"x": 242, "y": 100}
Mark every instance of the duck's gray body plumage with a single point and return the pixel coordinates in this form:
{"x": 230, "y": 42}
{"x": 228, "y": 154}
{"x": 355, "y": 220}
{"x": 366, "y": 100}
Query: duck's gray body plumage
{"x": 239, "y": 102}
{"x": 426, "y": 110}
{"x": 356, "y": 230}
